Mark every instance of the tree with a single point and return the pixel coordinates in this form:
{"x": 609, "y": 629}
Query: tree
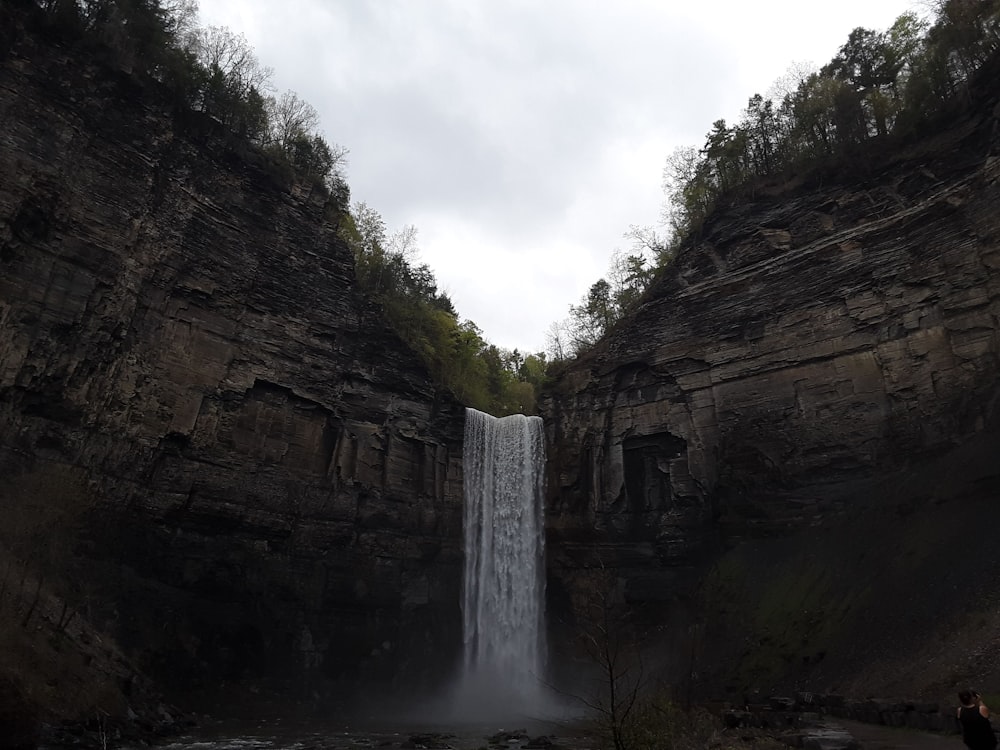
{"x": 646, "y": 242}
{"x": 138, "y": 32}
{"x": 312, "y": 157}
{"x": 813, "y": 110}
{"x": 788, "y": 83}
{"x": 532, "y": 370}
{"x": 289, "y": 118}
{"x": 971, "y": 30}
{"x": 879, "y": 83}
{"x": 871, "y": 63}
{"x": 629, "y": 276}
{"x": 610, "y": 643}
{"x": 688, "y": 188}
{"x": 219, "y": 49}
{"x": 762, "y": 134}
{"x": 557, "y": 346}
{"x": 182, "y": 22}
{"x": 466, "y": 367}
{"x": 63, "y": 17}
{"x": 904, "y": 42}
{"x": 498, "y": 377}
{"x": 726, "y": 155}
{"x": 592, "y": 317}
{"x": 865, "y": 61}
{"x": 849, "y": 120}
{"x": 234, "y": 81}
{"x": 479, "y": 374}
{"x": 366, "y": 236}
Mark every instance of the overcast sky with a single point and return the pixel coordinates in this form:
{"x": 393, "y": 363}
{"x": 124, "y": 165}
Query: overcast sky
{"x": 522, "y": 139}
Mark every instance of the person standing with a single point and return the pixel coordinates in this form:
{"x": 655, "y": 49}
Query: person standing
{"x": 974, "y": 716}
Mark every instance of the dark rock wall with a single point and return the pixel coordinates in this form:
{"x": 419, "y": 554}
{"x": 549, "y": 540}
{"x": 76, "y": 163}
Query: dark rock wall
{"x": 276, "y": 482}
{"x": 248, "y": 476}
{"x": 801, "y": 359}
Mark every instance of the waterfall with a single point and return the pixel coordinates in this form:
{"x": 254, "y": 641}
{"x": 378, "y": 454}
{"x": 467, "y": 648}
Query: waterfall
{"x": 503, "y": 599}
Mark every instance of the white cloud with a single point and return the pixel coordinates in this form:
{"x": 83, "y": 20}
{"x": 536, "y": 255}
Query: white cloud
{"x": 523, "y": 138}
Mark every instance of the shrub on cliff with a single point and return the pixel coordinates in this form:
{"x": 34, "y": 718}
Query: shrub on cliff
{"x": 479, "y": 374}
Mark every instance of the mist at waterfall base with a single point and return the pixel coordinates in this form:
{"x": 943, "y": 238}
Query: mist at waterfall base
{"x": 502, "y": 676}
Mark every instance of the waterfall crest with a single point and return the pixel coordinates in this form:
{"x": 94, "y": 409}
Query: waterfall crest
{"x": 504, "y": 577}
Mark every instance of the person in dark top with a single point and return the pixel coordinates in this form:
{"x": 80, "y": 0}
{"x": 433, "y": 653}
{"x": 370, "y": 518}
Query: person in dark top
{"x": 974, "y": 716}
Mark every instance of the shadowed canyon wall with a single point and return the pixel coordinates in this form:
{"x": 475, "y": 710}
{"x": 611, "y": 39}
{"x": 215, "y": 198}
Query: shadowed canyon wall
{"x": 814, "y": 379}
{"x": 261, "y": 476}
{"x": 214, "y": 453}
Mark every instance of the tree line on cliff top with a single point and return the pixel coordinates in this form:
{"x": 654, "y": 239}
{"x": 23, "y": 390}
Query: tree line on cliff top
{"x": 881, "y": 86}
{"x": 203, "y": 69}
{"x": 215, "y": 72}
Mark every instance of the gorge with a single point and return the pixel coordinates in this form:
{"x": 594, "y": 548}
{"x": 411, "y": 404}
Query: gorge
{"x": 225, "y": 480}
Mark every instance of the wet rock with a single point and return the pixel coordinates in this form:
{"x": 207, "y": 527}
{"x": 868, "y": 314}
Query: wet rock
{"x": 830, "y": 737}
{"x": 429, "y": 741}
{"x": 538, "y": 743}
{"x": 508, "y": 737}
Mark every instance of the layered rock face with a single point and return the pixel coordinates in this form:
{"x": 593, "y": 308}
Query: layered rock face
{"x": 800, "y": 357}
{"x": 213, "y": 451}
{"x": 265, "y": 480}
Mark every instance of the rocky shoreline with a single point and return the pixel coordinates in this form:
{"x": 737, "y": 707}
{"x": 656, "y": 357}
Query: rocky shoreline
{"x": 815, "y": 714}
{"x": 805, "y": 720}
{"x": 24, "y": 731}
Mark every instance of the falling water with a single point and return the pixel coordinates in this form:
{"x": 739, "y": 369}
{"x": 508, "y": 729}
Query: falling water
{"x": 504, "y": 591}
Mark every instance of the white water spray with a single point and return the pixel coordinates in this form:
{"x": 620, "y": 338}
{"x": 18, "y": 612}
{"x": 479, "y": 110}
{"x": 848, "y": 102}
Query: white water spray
{"x": 503, "y": 606}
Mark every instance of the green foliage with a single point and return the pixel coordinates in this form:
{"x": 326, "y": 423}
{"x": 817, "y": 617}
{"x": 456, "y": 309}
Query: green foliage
{"x": 608, "y": 300}
{"x": 593, "y": 316}
{"x": 879, "y": 84}
{"x": 208, "y": 70}
{"x": 479, "y": 374}
{"x": 215, "y": 72}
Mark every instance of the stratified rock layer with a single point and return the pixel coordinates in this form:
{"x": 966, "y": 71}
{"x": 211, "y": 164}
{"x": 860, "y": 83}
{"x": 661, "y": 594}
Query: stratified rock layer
{"x": 803, "y": 356}
{"x": 272, "y": 484}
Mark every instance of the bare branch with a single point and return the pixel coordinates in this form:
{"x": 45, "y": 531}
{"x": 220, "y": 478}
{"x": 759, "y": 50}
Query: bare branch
{"x": 290, "y": 117}
{"x": 218, "y": 48}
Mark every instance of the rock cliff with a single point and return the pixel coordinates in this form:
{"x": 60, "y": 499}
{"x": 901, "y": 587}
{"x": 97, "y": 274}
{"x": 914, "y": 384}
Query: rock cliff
{"x": 218, "y": 467}
{"x": 248, "y": 474}
{"x": 765, "y": 449}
